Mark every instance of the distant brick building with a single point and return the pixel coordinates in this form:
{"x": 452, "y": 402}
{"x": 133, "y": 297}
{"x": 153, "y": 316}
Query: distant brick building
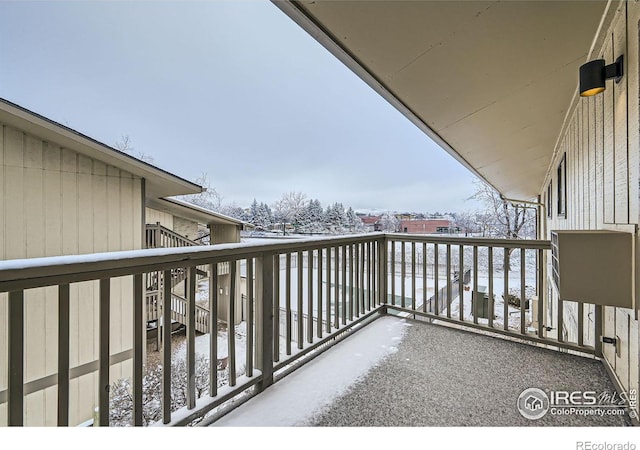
{"x": 371, "y": 222}
{"x": 427, "y": 226}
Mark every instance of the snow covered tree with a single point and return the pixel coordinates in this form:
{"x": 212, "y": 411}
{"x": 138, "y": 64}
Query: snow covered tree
{"x": 253, "y": 212}
{"x": 336, "y": 217}
{"x": 263, "y": 217}
{"x": 389, "y": 223}
{"x": 124, "y": 145}
{"x": 466, "y": 221}
{"x": 289, "y": 208}
{"x": 503, "y": 218}
{"x": 209, "y": 198}
{"x": 352, "y": 219}
{"x": 315, "y": 216}
{"x": 235, "y": 211}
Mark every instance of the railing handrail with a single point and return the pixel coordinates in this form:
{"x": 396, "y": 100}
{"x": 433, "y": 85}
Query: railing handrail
{"x": 166, "y": 231}
{"x": 533, "y": 244}
{"x": 46, "y": 271}
{"x": 39, "y": 272}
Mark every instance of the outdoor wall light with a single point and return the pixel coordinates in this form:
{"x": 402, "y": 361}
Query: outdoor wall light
{"x": 594, "y": 73}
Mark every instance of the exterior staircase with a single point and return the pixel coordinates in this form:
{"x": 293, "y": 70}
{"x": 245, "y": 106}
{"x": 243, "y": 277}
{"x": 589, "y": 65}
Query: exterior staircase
{"x": 178, "y": 311}
{"x": 158, "y": 236}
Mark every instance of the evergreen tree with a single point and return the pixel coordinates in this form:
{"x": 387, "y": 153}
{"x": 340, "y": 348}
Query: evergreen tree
{"x": 352, "y": 219}
{"x": 253, "y": 212}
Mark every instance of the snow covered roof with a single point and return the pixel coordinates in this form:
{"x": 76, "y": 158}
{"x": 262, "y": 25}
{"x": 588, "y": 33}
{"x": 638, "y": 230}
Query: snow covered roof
{"x": 193, "y": 212}
{"x": 158, "y": 182}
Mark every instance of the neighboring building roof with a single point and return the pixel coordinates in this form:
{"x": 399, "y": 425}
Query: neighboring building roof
{"x": 158, "y": 182}
{"x": 369, "y": 220}
{"x": 436, "y": 222}
{"x": 193, "y": 212}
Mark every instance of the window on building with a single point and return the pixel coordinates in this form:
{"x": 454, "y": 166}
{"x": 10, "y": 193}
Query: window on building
{"x": 549, "y": 200}
{"x": 562, "y": 187}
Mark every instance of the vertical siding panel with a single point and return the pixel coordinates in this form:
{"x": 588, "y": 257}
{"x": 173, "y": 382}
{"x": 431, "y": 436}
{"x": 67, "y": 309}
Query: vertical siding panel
{"x": 69, "y": 202}
{"x": 14, "y": 238}
{"x": 633, "y": 89}
{"x": 87, "y": 308}
{"x": 52, "y": 200}
{"x": 100, "y": 226}
{"x": 53, "y": 247}
{"x": 69, "y": 241}
{"x": 572, "y": 175}
{"x": 32, "y": 152}
{"x": 577, "y": 162}
{"x": 137, "y": 220}
{"x": 584, "y": 163}
{"x": 128, "y": 237}
{"x": 570, "y": 221}
{"x": 85, "y": 205}
{"x": 599, "y": 129}
{"x": 591, "y": 163}
{"x": 114, "y": 238}
{"x": 632, "y": 57}
{"x": 35, "y": 323}
{"x": 621, "y": 176}
{"x": 609, "y": 180}
{"x": 153, "y": 216}
{"x": 99, "y": 206}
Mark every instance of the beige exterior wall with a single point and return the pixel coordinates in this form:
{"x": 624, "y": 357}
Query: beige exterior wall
{"x": 54, "y": 201}
{"x": 154, "y": 216}
{"x": 185, "y": 227}
{"x": 601, "y": 144}
{"x": 222, "y": 234}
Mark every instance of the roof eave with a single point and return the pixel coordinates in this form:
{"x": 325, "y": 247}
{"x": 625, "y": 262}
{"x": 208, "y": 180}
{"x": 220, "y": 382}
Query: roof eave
{"x": 159, "y": 182}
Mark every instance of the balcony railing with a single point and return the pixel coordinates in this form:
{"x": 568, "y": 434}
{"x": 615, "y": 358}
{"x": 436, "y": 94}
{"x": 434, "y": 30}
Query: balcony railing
{"x": 292, "y": 313}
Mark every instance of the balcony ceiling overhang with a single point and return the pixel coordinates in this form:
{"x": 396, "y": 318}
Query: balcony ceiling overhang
{"x": 491, "y": 82}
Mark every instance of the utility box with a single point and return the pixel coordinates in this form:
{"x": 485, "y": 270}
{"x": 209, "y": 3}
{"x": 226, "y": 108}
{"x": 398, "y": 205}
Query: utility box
{"x": 594, "y": 266}
{"x": 480, "y": 302}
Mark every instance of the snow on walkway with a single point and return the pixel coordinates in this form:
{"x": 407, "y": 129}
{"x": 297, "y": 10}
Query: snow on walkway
{"x": 300, "y": 396}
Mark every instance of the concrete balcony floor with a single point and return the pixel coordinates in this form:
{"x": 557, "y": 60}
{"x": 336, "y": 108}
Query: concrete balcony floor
{"x": 427, "y": 375}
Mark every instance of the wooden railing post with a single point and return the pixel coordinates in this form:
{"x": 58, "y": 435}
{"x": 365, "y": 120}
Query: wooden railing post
{"x": 597, "y": 338}
{"x": 264, "y": 318}
{"x": 16, "y": 358}
{"x": 383, "y": 297}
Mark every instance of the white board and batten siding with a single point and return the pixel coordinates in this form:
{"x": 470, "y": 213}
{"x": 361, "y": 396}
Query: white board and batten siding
{"x": 154, "y": 216}
{"x": 54, "y": 201}
{"x": 601, "y": 144}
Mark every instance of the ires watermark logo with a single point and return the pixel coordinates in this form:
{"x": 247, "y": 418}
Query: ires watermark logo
{"x": 534, "y": 403}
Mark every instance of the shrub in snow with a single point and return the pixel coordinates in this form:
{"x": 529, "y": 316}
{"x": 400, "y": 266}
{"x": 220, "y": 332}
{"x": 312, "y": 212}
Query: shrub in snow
{"x": 513, "y": 298}
{"x": 121, "y": 399}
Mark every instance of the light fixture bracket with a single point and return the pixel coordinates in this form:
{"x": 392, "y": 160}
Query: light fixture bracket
{"x": 615, "y": 70}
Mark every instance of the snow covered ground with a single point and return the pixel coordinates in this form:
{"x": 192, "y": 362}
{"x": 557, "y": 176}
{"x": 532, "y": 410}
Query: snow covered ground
{"x": 498, "y": 290}
{"x": 295, "y": 400}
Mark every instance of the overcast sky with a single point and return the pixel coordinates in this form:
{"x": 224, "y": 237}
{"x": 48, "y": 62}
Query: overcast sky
{"x": 232, "y": 89}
